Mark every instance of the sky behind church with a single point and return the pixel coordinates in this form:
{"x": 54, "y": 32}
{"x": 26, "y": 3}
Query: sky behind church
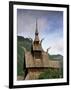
{"x": 49, "y": 24}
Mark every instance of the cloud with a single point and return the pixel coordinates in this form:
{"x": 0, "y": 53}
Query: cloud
{"x": 57, "y": 47}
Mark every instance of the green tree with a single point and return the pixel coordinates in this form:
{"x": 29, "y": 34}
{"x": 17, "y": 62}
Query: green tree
{"x": 50, "y": 74}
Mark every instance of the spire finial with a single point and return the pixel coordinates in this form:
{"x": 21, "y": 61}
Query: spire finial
{"x": 36, "y": 32}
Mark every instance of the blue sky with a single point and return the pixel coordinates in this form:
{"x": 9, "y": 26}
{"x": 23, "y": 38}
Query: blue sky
{"x": 49, "y": 24}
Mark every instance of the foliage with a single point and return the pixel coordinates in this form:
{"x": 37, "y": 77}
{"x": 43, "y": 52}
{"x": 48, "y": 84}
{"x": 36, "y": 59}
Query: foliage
{"x": 51, "y": 74}
{"x": 56, "y": 57}
{"x": 22, "y": 44}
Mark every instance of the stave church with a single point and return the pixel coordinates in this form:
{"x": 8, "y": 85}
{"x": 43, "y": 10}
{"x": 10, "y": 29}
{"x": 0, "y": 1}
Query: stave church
{"x": 37, "y": 61}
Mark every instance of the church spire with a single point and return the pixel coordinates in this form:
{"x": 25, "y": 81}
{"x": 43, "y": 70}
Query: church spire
{"x": 36, "y": 33}
{"x": 36, "y": 43}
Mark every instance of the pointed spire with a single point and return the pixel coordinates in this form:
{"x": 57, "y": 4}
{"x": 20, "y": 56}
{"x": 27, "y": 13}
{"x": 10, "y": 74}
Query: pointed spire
{"x": 36, "y": 32}
{"x": 36, "y": 43}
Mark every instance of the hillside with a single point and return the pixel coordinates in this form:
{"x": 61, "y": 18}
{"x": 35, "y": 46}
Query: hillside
{"x": 22, "y": 45}
{"x": 56, "y": 57}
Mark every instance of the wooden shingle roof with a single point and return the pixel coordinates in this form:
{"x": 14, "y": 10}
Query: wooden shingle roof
{"x": 37, "y": 63}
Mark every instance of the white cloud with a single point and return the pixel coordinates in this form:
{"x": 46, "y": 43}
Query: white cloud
{"x": 57, "y": 47}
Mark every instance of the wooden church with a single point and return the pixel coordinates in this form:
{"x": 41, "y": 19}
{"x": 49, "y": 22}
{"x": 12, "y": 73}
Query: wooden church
{"x": 37, "y": 60}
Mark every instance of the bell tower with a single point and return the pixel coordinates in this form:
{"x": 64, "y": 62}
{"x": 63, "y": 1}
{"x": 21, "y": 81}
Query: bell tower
{"x": 37, "y": 49}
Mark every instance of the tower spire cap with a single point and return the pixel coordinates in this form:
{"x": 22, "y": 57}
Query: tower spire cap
{"x": 36, "y": 32}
